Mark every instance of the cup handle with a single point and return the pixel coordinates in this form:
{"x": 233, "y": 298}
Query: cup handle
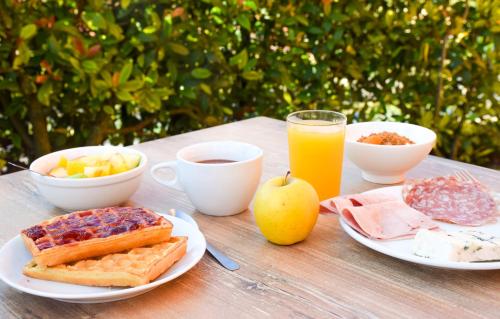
{"x": 173, "y": 183}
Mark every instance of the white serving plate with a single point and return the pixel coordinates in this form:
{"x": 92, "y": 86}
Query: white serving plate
{"x": 402, "y": 249}
{"x": 13, "y": 257}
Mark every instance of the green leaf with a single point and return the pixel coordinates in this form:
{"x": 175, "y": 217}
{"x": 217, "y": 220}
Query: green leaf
{"x": 126, "y": 71}
{"x": 107, "y": 77}
{"x": 240, "y": 59}
{"x": 133, "y": 85}
{"x": 315, "y": 30}
{"x": 108, "y": 110}
{"x": 28, "y": 31}
{"x": 23, "y": 56}
{"x": 149, "y": 101}
{"x": 244, "y": 21}
{"x": 124, "y": 4}
{"x": 179, "y": 48}
{"x": 155, "y": 20}
{"x": 100, "y": 85}
{"x": 172, "y": 69}
{"x": 206, "y": 88}
{"x": 63, "y": 26}
{"x": 337, "y": 36}
{"x": 149, "y": 30}
{"x": 302, "y": 20}
{"x": 201, "y": 73}
{"x": 94, "y": 20}
{"x": 227, "y": 110}
{"x": 9, "y": 85}
{"x": 115, "y": 30}
{"x": 252, "y": 75}
{"x": 90, "y": 66}
{"x": 44, "y": 92}
{"x": 124, "y": 95}
{"x": 250, "y": 4}
{"x": 287, "y": 97}
{"x": 74, "y": 63}
{"x": 164, "y": 93}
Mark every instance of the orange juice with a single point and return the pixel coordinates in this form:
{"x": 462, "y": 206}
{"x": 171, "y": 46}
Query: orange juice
{"x": 316, "y": 152}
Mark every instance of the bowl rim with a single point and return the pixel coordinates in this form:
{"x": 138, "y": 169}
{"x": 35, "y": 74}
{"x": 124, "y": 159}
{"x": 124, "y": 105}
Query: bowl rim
{"x": 181, "y": 153}
{"x": 90, "y": 181}
{"x": 416, "y": 144}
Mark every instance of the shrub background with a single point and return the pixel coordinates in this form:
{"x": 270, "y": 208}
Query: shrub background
{"x": 85, "y": 72}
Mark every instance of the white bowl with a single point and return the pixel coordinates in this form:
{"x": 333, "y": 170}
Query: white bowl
{"x": 86, "y": 193}
{"x": 387, "y": 164}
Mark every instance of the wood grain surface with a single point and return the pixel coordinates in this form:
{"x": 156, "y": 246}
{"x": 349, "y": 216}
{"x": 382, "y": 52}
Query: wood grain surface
{"x": 329, "y": 275}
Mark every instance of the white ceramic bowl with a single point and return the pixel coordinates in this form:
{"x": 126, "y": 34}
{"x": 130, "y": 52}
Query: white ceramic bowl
{"x": 86, "y": 193}
{"x": 387, "y": 164}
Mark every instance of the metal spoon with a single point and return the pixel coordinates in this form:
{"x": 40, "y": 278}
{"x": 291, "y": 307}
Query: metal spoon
{"x": 25, "y": 168}
{"x": 218, "y": 255}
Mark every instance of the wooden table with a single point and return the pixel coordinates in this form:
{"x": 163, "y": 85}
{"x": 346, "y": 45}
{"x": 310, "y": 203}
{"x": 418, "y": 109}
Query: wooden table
{"x": 327, "y": 276}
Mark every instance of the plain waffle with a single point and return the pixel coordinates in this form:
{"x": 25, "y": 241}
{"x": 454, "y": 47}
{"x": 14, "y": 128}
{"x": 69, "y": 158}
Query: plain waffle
{"x": 95, "y": 232}
{"x": 134, "y": 267}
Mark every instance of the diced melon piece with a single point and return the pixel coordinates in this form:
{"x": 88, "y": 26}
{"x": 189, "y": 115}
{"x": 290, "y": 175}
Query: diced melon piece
{"x": 96, "y": 171}
{"x": 90, "y": 160}
{"x": 118, "y": 164}
{"x": 58, "y": 172}
{"x": 132, "y": 160}
{"x": 79, "y": 175}
{"x": 106, "y": 169}
{"x": 63, "y": 161}
{"x": 75, "y": 166}
{"x": 106, "y": 156}
{"x": 92, "y": 171}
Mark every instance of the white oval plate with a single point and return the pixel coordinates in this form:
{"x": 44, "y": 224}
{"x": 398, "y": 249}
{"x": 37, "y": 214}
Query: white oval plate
{"x": 402, "y": 249}
{"x": 13, "y": 257}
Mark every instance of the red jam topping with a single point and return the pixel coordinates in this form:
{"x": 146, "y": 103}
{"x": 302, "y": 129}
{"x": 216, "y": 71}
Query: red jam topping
{"x": 97, "y": 223}
{"x": 35, "y": 232}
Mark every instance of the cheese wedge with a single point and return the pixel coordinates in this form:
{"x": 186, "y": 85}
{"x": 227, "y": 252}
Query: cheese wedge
{"x": 464, "y": 246}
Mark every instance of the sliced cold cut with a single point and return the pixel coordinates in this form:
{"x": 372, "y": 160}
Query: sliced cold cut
{"x": 386, "y": 220}
{"x": 448, "y": 199}
{"x": 337, "y": 204}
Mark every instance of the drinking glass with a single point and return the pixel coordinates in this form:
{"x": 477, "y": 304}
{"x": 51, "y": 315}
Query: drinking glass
{"x": 316, "y": 148}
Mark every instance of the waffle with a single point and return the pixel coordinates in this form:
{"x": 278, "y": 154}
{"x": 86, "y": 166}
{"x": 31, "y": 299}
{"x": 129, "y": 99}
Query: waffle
{"x": 135, "y": 267}
{"x": 96, "y": 232}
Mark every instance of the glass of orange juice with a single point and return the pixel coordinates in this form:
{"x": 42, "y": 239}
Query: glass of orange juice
{"x": 316, "y": 147}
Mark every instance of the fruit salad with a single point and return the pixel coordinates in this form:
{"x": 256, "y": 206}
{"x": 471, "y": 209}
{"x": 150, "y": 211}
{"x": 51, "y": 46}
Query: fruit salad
{"x": 95, "y": 165}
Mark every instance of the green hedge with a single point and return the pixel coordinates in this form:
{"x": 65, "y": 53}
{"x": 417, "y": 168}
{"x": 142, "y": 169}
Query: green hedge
{"x": 84, "y": 72}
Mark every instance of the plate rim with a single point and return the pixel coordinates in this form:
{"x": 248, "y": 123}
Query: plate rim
{"x": 376, "y": 246}
{"x": 115, "y": 293}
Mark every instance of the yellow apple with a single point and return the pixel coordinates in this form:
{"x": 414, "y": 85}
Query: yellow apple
{"x": 286, "y": 209}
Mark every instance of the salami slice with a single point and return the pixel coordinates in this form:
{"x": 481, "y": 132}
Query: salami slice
{"x": 448, "y": 199}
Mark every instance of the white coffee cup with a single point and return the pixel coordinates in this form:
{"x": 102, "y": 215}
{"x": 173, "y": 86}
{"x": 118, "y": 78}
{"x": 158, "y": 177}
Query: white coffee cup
{"x": 217, "y": 189}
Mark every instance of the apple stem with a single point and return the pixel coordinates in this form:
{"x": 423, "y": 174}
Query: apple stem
{"x": 286, "y": 176}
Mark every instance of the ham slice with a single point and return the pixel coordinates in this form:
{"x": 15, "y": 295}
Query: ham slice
{"x": 386, "y": 220}
{"x": 378, "y": 215}
{"x": 337, "y": 204}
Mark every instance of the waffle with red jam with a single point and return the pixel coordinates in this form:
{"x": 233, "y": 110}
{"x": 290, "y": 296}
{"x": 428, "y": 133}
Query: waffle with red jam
{"x": 134, "y": 267}
{"x": 95, "y": 232}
